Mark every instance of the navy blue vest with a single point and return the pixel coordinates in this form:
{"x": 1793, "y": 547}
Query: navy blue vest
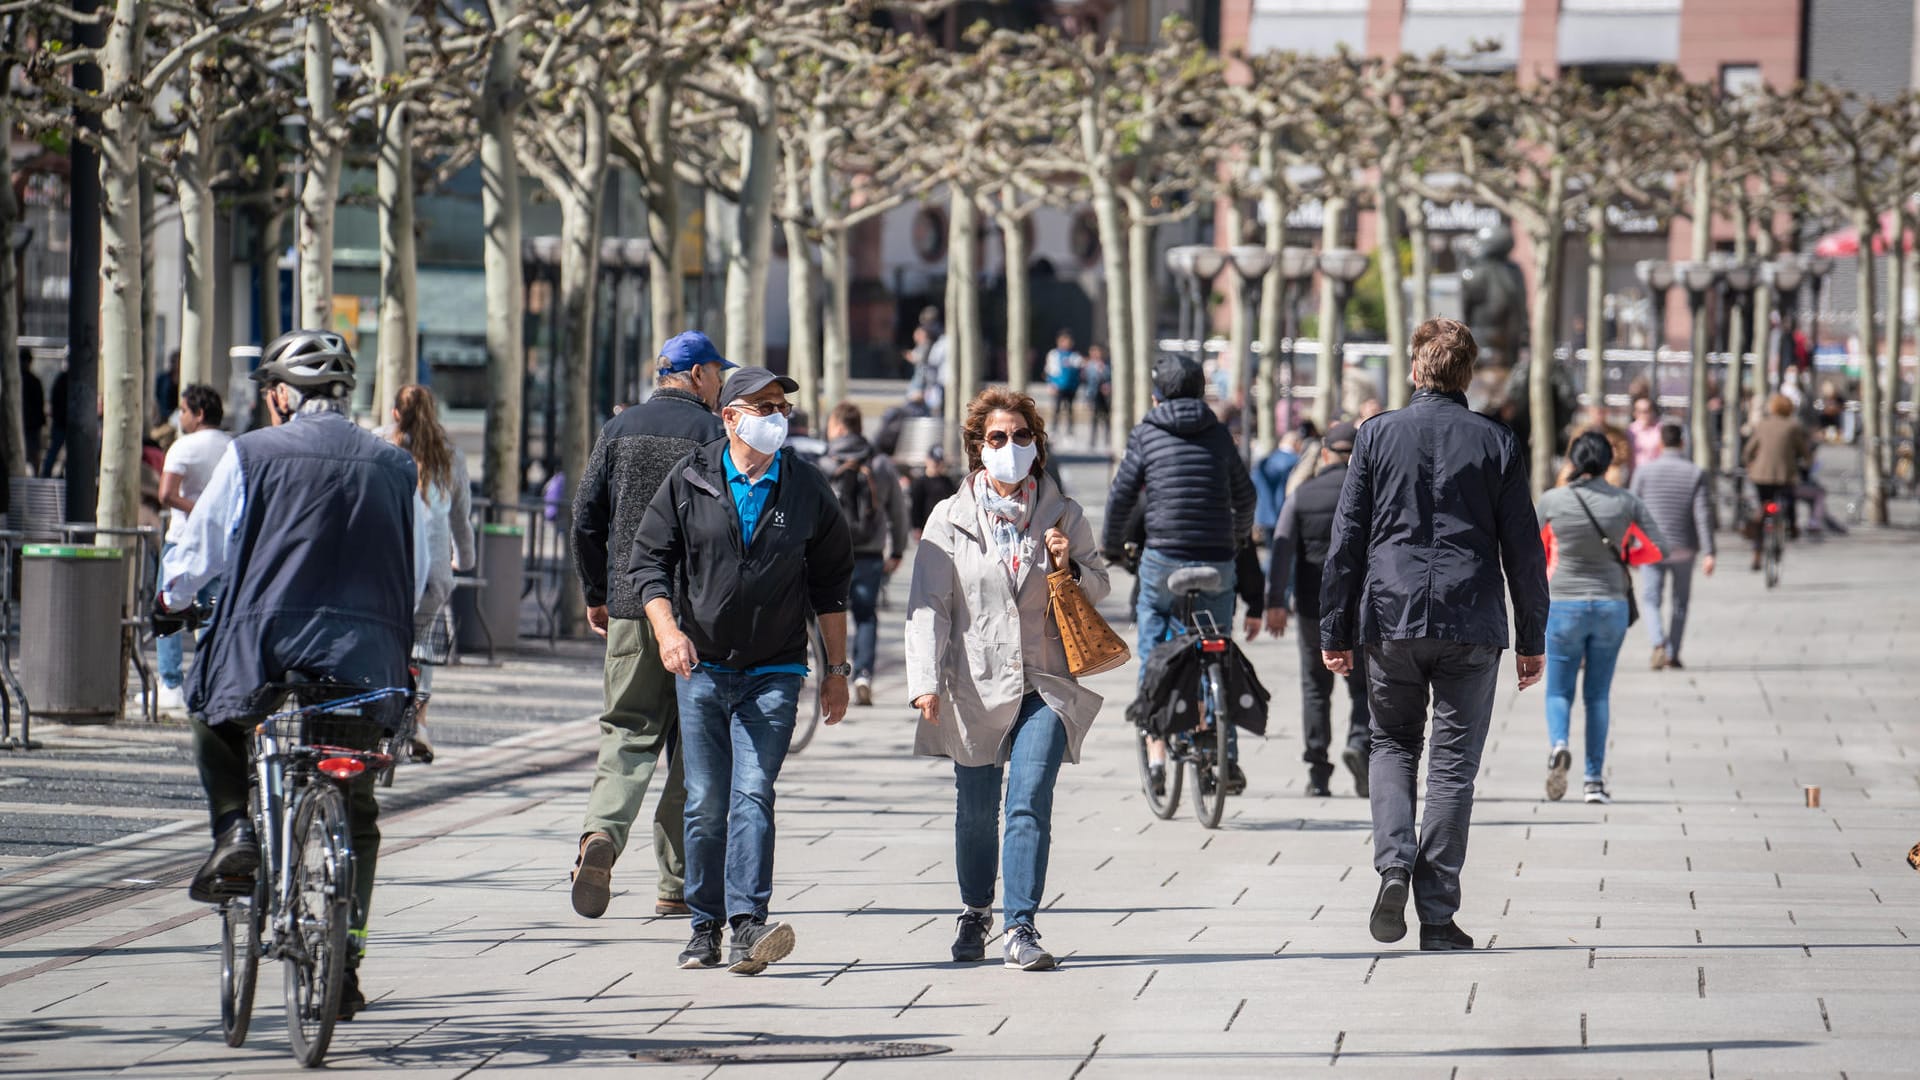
{"x": 321, "y": 582}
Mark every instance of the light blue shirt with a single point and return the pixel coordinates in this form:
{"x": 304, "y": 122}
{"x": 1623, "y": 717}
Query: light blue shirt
{"x": 205, "y": 553}
{"x": 750, "y": 500}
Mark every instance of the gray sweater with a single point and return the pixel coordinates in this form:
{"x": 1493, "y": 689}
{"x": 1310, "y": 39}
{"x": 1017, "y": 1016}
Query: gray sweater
{"x": 1579, "y": 566}
{"x": 1674, "y": 490}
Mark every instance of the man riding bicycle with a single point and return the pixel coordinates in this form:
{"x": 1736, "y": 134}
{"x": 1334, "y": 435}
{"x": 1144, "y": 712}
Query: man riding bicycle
{"x": 308, "y": 525}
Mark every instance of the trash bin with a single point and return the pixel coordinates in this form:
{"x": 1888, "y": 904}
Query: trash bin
{"x": 497, "y": 603}
{"x": 71, "y": 599}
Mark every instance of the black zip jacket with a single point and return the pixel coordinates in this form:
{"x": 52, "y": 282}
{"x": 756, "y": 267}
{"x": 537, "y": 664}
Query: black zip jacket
{"x": 1200, "y": 500}
{"x": 1434, "y": 506}
{"x": 629, "y": 463}
{"x": 743, "y": 607}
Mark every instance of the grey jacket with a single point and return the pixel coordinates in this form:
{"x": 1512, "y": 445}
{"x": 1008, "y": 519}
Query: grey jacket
{"x": 980, "y": 641}
{"x": 1579, "y": 566}
{"x": 1675, "y": 491}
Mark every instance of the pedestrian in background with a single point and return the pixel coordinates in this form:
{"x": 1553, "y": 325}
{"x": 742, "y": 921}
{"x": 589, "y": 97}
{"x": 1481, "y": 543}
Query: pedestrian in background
{"x": 1096, "y": 384}
{"x": 57, "y": 419}
{"x": 1588, "y": 527}
{"x": 741, "y": 543}
{"x": 1270, "y": 484}
{"x": 33, "y": 409}
{"x": 1775, "y": 456}
{"x": 641, "y": 721}
{"x": 1063, "y": 374}
{"x": 184, "y": 473}
{"x": 1676, "y": 494}
{"x": 986, "y": 669}
{"x": 1434, "y": 507}
{"x": 868, "y": 489}
{"x": 1301, "y": 540}
{"x": 1644, "y": 433}
{"x": 929, "y": 489}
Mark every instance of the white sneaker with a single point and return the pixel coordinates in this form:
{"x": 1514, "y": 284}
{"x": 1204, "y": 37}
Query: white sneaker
{"x": 863, "y": 691}
{"x": 170, "y": 699}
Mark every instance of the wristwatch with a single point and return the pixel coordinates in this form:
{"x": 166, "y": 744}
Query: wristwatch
{"x": 845, "y": 671}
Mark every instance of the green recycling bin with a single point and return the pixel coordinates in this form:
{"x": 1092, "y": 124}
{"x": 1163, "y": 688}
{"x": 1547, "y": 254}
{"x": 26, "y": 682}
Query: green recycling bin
{"x": 497, "y": 603}
{"x": 71, "y": 599}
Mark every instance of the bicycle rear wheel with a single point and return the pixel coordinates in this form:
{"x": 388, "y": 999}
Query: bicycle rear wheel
{"x": 240, "y": 960}
{"x": 320, "y": 864}
{"x": 810, "y": 712}
{"x": 1771, "y": 557}
{"x": 1164, "y": 804}
{"x": 1210, "y": 755}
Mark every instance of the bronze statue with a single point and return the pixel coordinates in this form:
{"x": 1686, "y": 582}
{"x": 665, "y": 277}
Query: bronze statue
{"x": 1493, "y": 297}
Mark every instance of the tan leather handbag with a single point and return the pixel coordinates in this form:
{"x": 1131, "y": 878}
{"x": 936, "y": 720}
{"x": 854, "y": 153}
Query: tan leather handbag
{"x": 1092, "y": 646}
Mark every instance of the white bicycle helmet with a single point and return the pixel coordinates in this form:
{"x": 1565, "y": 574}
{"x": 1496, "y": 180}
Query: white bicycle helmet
{"x": 309, "y": 361}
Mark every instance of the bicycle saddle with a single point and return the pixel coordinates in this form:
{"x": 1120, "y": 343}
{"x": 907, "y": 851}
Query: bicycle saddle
{"x": 1193, "y": 580}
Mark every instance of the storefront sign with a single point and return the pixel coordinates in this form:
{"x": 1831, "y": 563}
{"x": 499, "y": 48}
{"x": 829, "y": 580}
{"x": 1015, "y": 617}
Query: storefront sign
{"x": 1458, "y": 215}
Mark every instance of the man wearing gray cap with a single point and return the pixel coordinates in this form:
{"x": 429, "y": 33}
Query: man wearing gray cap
{"x": 740, "y": 544}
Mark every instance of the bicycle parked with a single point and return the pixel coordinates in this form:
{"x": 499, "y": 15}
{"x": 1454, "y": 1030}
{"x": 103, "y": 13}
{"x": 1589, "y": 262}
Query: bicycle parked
{"x": 298, "y": 905}
{"x": 1202, "y": 748}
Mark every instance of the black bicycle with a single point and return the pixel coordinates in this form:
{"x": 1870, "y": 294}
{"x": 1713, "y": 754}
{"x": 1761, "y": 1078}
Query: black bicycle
{"x": 1202, "y": 749}
{"x": 298, "y": 905}
{"x": 811, "y": 710}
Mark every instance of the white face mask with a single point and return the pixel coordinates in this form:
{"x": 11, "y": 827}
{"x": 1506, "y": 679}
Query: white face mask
{"x": 766, "y": 434}
{"x": 1011, "y": 463}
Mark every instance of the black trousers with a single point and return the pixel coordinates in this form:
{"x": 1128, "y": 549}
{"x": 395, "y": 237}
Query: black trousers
{"x": 1316, "y": 702}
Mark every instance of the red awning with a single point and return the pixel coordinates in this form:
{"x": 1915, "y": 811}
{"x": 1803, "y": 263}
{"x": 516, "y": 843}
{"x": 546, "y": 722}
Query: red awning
{"x": 1845, "y": 244}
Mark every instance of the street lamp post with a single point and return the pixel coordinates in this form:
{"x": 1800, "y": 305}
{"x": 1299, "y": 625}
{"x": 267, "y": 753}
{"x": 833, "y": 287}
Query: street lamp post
{"x": 1297, "y": 265}
{"x": 1341, "y": 267}
{"x": 1698, "y": 279}
{"x": 1819, "y": 266}
{"x": 1194, "y": 266}
{"x": 1740, "y": 276}
{"x": 1251, "y": 262}
{"x": 1180, "y": 265}
{"x": 1782, "y": 275}
{"x": 1657, "y": 276}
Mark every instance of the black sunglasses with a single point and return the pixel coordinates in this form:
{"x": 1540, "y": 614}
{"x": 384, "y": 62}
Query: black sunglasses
{"x": 998, "y": 439}
{"x": 763, "y": 408}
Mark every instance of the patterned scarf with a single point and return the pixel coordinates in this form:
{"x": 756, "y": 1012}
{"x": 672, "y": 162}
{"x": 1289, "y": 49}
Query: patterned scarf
{"x": 1006, "y": 518}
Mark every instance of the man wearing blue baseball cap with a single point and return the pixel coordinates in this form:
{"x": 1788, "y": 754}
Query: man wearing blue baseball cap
{"x": 642, "y": 717}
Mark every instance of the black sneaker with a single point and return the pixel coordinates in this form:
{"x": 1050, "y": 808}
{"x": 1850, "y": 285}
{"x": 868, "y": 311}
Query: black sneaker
{"x": 1024, "y": 951}
{"x": 1558, "y": 763}
{"x": 1236, "y": 780}
{"x": 970, "y": 937}
{"x": 703, "y": 949}
{"x": 1355, "y": 759}
{"x": 351, "y": 999}
{"x": 757, "y": 944}
{"x": 229, "y": 868}
{"x": 1597, "y": 792}
{"x": 1446, "y": 937}
{"x": 1157, "y": 777}
{"x": 1318, "y": 789}
{"x": 1389, "y": 920}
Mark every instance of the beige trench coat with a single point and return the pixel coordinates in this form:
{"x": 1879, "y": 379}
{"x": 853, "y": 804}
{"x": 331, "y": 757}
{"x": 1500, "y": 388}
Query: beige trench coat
{"x": 976, "y": 639}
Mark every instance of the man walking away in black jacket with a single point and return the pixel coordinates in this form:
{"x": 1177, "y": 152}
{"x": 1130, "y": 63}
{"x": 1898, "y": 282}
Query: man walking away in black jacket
{"x": 641, "y": 722}
{"x": 1200, "y": 504}
{"x": 1434, "y": 506}
{"x": 868, "y": 487}
{"x": 1300, "y": 542}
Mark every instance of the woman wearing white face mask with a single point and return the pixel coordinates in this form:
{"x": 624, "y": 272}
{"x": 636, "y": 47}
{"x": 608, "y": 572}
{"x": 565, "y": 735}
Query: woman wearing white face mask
{"x": 986, "y": 669}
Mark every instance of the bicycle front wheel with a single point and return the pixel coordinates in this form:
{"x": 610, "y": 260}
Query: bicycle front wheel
{"x": 320, "y": 864}
{"x": 1167, "y": 799}
{"x": 1210, "y": 755}
{"x": 808, "y": 720}
{"x": 239, "y": 961}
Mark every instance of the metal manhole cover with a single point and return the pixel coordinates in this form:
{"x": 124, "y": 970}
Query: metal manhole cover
{"x": 767, "y": 1051}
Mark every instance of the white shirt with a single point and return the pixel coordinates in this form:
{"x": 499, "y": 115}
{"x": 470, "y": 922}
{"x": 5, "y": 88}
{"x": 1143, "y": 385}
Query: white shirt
{"x": 205, "y": 549}
{"x": 192, "y": 458}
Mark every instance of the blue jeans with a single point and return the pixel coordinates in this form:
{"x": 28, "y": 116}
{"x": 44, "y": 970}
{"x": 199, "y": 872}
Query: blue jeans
{"x": 1157, "y": 616}
{"x": 169, "y": 649}
{"x": 735, "y": 729}
{"x": 869, "y": 574}
{"x": 1590, "y": 632}
{"x": 1039, "y": 745}
{"x": 1653, "y": 579}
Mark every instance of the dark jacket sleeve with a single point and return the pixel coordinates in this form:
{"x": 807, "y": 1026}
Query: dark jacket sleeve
{"x": 1280, "y": 558}
{"x": 829, "y": 556}
{"x": 1246, "y": 501}
{"x": 592, "y": 519}
{"x": 1345, "y": 576}
{"x": 1702, "y": 514}
{"x": 894, "y": 502}
{"x": 1248, "y": 581}
{"x": 1122, "y": 496}
{"x": 1522, "y": 555}
{"x": 660, "y": 542}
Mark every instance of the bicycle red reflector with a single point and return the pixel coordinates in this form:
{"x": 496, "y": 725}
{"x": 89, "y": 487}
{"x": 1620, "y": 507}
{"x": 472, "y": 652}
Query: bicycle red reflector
{"x": 1214, "y": 646}
{"x": 342, "y": 768}
{"x": 1773, "y": 508}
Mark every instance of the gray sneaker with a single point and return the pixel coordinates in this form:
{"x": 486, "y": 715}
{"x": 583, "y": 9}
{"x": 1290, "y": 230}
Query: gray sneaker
{"x": 1596, "y": 792}
{"x": 1557, "y": 765}
{"x": 1024, "y": 951}
{"x": 757, "y": 944}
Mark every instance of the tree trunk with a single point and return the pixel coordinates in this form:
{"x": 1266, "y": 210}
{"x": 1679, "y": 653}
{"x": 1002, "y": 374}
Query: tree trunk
{"x": 1240, "y": 317}
{"x": 803, "y": 362}
{"x": 1140, "y": 301}
{"x": 13, "y": 431}
{"x": 1735, "y": 379}
{"x": 1386, "y": 200}
{"x": 320, "y": 187}
{"x": 579, "y": 287}
{"x": 1913, "y": 274}
{"x": 1596, "y": 310}
{"x": 1113, "y": 267}
{"x": 1547, "y": 237}
{"x": 836, "y": 348}
{"x": 1327, "y": 367}
{"x": 1762, "y": 323}
{"x": 266, "y": 270}
{"x": 1422, "y": 307}
{"x": 393, "y": 182}
{"x": 1864, "y": 223}
{"x": 122, "y": 341}
{"x": 963, "y": 322}
{"x": 666, "y": 287}
{"x": 1273, "y": 299}
{"x": 746, "y": 297}
{"x": 1013, "y": 249}
{"x": 193, "y": 178}
{"x": 1896, "y": 337}
{"x": 1697, "y": 419}
{"x": 501, "y": 260}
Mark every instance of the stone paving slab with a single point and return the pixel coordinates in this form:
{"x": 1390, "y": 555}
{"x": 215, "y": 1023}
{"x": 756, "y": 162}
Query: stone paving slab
{"x": 1707, "y": 924}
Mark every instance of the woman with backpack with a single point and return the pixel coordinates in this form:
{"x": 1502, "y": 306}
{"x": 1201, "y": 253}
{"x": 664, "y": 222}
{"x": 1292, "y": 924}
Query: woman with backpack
{"x": 868, "y": 488}
{"x": 1592, "y": 530}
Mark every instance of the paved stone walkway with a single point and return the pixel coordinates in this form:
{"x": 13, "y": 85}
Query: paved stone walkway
{"x": 1707, "y": 924}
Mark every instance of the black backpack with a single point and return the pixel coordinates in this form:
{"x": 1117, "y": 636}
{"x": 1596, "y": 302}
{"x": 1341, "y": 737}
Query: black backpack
{"x": 859, "y": 496}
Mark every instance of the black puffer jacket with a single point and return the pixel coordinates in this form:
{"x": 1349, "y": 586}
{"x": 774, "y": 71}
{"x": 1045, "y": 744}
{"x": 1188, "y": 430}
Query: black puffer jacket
{"x": 1200, "y": 500}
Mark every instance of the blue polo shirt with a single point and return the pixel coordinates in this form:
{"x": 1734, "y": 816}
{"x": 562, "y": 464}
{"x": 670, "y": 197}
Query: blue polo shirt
{"x": 750, "y": 500}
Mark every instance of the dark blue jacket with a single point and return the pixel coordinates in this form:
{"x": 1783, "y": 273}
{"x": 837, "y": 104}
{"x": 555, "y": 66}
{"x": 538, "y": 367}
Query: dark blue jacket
{"x": 1200, "y": 500}
{"x": 321, "y": 580}
{"x": 1434, "y": 506}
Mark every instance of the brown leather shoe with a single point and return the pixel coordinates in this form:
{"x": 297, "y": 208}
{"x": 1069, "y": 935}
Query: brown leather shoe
{"x": 672, "y": 909}
{"x": 593, "y": 875}
{"x": 1659, "y": 657}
